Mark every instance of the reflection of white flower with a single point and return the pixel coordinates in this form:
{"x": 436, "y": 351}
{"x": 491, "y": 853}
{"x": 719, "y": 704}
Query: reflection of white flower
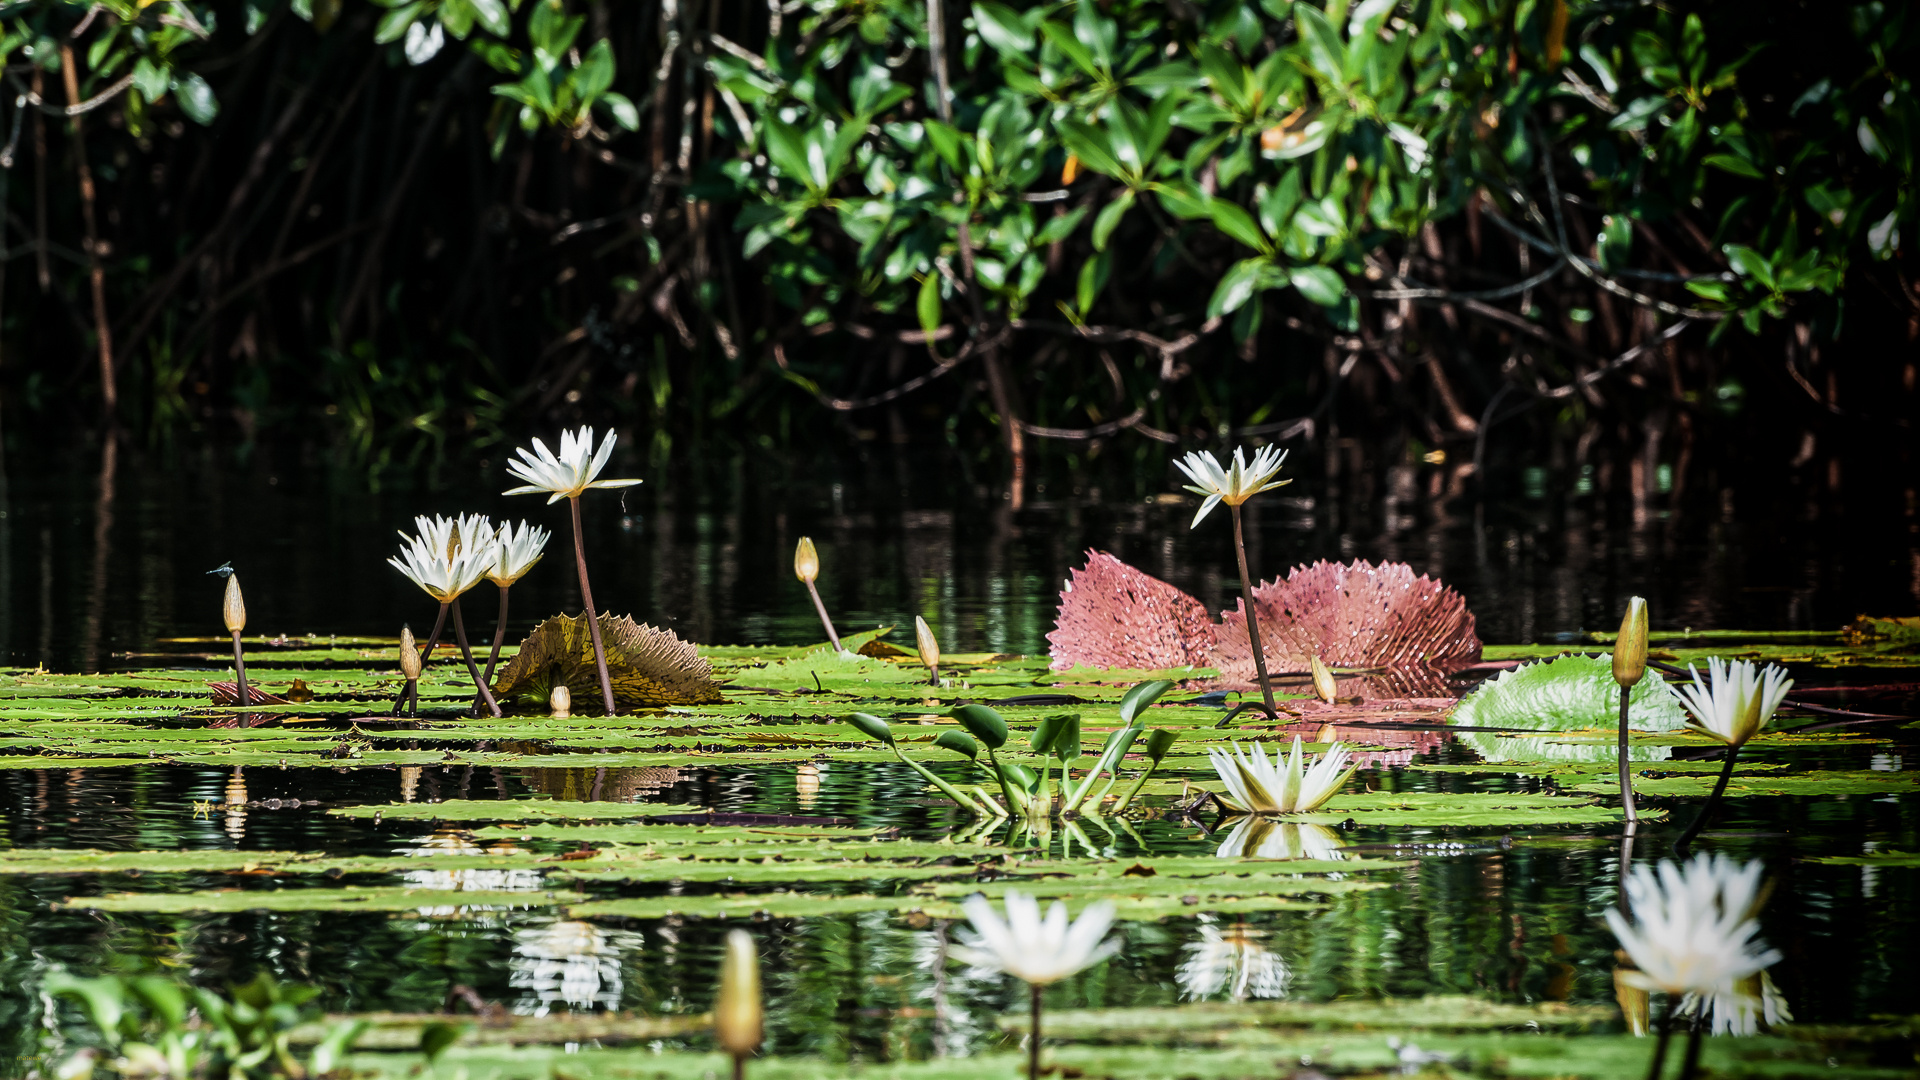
{"x": 467, "y": 879}
{"x": 1232, "y": 958}
{"x": 1028, "y": 948}
{"x": 1265, "y": 838}
{"x": 1739, "y": 701}
{"x": 1234, "y": 484}
{"x": 569, "y": 473}
{"x": 569, "y": 962}
{"x": 1285, "y": 785}
{"x": 1693, "y": 930}
{"x": 1744, "y": 1008}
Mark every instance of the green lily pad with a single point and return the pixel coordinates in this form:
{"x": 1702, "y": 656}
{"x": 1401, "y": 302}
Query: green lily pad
{"x": 1809, "y": 783}
{"x": 348, "y": 899}
{"x": 1888, "y": 858}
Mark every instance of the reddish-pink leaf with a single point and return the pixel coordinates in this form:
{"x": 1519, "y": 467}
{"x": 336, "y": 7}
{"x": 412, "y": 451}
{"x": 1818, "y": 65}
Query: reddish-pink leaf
{"x": 1113, "y": 616}
{"x": 1350, "y": 615}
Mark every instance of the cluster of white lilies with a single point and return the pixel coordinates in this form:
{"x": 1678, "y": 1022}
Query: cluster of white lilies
{"x": 449, "y": 556}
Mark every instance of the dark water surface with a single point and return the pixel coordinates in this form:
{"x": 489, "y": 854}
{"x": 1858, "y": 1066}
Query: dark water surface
{"x": 96, "y": 564}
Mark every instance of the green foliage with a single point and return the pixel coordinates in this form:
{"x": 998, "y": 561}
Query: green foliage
{"x": 1568, "y": 694}
{"x": 153, "y": 1026}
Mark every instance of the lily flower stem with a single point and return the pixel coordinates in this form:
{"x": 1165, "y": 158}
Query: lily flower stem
{"x": 593, "y": 620}
{"x": 821, "y": 607}
{"x": 1691, "y": 1063}
{"x": 1681, "y": 845}
{"x": 240, "y": 670}
{"x": 1253, "y": 620}
{"x": 426, "y": 654}
{"x": 460, "y": 635}
{"x": 1005, "y": 791}
{"x": 1134, "y": 790}
{"x": 1033, "y": 1035}
{"x": 1626, "y": 765}
{"x": 499, "y": 631}
{"x": 412, "y": 694}
{"x": 946, "y": 789}
{"x": 1660, "y": 1044}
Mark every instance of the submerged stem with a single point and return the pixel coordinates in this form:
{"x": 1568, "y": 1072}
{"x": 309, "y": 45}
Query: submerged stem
{"x": 593, "y": 619}
{"x": 1681, "y": 845}
{"x": 460, "y": 635}
{"x": 240, "y": 670}
{"x": 1253, "y": 621}
{"x": 1626, "y": 765}
{"x": 426, "y": 654}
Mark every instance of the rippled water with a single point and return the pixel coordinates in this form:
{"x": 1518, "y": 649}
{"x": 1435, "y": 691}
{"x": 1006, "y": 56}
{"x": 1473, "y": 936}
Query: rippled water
{"x": 705, "y": 549}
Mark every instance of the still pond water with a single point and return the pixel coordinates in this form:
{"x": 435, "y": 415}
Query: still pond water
{"x": 99, "y": 565}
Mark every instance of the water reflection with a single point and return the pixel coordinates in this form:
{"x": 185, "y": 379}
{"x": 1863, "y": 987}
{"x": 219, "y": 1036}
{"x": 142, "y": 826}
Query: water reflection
{"x": 460, "y": 842}
{"x": 1233, "y": 957}
{"x": 601, "y": 785}
{"x": 1266, "y": 838}
{"x": 569, "y": 963}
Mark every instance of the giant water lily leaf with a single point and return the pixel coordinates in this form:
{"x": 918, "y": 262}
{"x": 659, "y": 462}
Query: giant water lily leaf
{"x": 514, "y": 810}
{"x": 1433, "y": 809}
{"x": 1810, "y": 783}
{"x": 648, "y": 666}
{"x": 1888, "y": 858}
{"x": 776, "y": 905}
{"x": 1355, "y": 615}
{"x": 1114, "y": 616}
{"x": 1453, "y": 1012}
{"x": 402, "y": 1031}
{"x": 349, "y": 899}
{"x": 1339, "y": 1047}
{"x": 826, "y": 670}
{"x": 1568, "y": 693}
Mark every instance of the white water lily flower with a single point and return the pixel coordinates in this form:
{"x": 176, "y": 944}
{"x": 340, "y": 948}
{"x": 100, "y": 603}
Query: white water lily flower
{"x": 443, "y": 576}
{"x": 569, "y": 473}
{"x": 1285, "y": 785}
{"x": 1029, "y": 948}
{"x": 515, "y": 550}
{"x": 1752, "y": 1002}
{"x": 1693, "y": 927}
{"x": 1740, "y": 701}
{"x": 1235, "y": 483}
{"x": 438, "y": 533}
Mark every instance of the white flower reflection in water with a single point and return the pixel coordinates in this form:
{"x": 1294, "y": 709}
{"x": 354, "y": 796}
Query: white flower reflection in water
{"x": 1235, "y": 959}
{"x": 458, "y": 842}
{"x": 568, "y": 963}
{"x": 1264, "y": 838}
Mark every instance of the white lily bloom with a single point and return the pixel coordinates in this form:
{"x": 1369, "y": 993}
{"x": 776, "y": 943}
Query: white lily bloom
{"x": 569, "y": 473}
{"x": 1740, "y": 701}
{"x": 443, "y": 577}
{"x": 1029, "y": 948}
{"x": 515, "y": 551}
{"x": 1285, "y": 785}
{"x": 1693, "y": 927}
{"x": 438, "y": 533}
{"x": 1235, "y": 483}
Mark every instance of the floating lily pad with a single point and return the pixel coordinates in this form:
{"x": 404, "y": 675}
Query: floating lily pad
{"x": 1888, "y": 858}
{"x": 1810, "y": 783}
{"x": 349, "y": 899}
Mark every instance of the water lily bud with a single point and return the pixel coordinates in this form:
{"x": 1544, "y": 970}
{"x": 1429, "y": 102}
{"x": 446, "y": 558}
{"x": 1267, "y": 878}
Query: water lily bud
{"x": 1630, "y": 648}
{"x": 1322, "y": 680}
{"x": 234, "y": 608}
{"x": 409, "y": 654}
{"x": 738, "y": 1015}
{"x": 561, "y": 701}
{"x": 806, "y": 561}
{"x": 929, "y": 645}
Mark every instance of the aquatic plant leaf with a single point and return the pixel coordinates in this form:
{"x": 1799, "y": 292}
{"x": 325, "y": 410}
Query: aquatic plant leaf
{"x": 1566, "y": 694}
{"x": 1452, "y": 1012}
{"x": 775, "y": 905}
{"x": 1114, "y": 616}
{"x": 1349, "y": 615}
{"x": 401, "y": 1031}
{"x": 1888, "y": 857}
{"x": 824, "y": 670}
{"x": 349, "y": 899}
{"x": 515, "y": 810}
{"x": 1810, "y": 783}
{"x": 228, "y": 693}
{"x": 648, "y": 666}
